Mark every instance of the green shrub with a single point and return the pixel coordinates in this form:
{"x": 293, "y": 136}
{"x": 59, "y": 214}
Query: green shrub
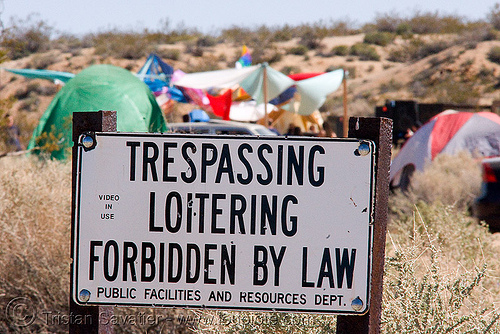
{"x": 385, "y": 22}
{"x": 311, "y": 37}
{"x": 417, "y": 49}
{"x": 237, "y": 35}
{"x": 340, "y": 50}
{"x": 263, "y": 53}
{"x": 399, "y": 55}
{"x": 118, "y": 44}
{"x": 494, "y": 54}
{"x": 450, "y": 90}
{"x": 68, "y": 43}
{"x": 391, "y": 86}
{"x": 364, "y": 52}
{"x": 283, "y": 34}
{"x": 172, "y": 54}
{"x": 299, "y": 50}
{"x": 404, "y": 29}
{"x": 206, "y": 41}
{"x": 379, "y": 38}
{"x": 42, "y": 61}
{"x": 428, "y": 49}
{"x": 194, "y": 50}
{"x": 433, "y": 23}
{"x": 30, "y": 103}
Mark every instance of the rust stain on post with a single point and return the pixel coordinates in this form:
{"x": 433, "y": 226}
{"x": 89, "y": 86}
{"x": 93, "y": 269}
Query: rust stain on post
{"x": 380, "y": 131}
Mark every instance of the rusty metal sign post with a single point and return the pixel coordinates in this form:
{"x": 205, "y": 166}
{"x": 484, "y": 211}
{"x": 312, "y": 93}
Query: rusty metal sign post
{"x": 380, "y": 131}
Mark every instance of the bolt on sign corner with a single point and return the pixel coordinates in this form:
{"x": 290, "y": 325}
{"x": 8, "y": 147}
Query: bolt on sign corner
{"x": 226, "y": 222}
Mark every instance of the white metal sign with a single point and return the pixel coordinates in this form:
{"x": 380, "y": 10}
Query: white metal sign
{"x": 267, "y": 223}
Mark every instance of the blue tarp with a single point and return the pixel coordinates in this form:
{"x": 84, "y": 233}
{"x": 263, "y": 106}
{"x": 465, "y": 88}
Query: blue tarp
{"x": 285, "y": 96}
{"x": 155, "y": 73}
{"x": 198, "y": 115}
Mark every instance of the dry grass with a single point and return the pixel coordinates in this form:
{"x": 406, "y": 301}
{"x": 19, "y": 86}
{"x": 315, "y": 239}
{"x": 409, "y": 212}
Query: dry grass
{"x": 428, "y": 290}
{"x": 451, "y": 180}
{"x": 442, "y": 267}
{"x": 35, "y": 208}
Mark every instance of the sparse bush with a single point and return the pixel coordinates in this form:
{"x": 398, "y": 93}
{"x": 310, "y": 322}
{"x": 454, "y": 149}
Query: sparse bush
{"x": 69, "y": 43}
{"x": 311, "y": 37}
{"x": 429, "y": 23}
{"x": 385, "y": 23}
{"x": 417, "y": 49}
{"x": 25, "y": 37}
{"x": 428, "y": 49}
{"x": 283, "y": 34}
{"x": 299, "y": 50}
{"x": 121, "y": 45}
{"x": 404, "y": 29}
{"x": 494, "y": 54}
{"x": 450, "y": 90}
{"x": 30, "y": 103}
{"x": 269, "y": 54}
{"x": 379, "y": 38}
{"x": 494, "y": 16}
{"x": 390, "y": 86}
{"x": 194, "y": 50}
{"x": 206, "y": 41}
{"x": 172, "y": 54}
{"x": 477, "y": 33}
{"x": 364, "y": 52}
{"x": 399, "y": 55}
{"x": 5, "y": 107}
{"x": 34, "y": 88}
{"x": 208, "y": 63}
{"x": 486, "y": 75}
{"x": 237, "y": 35}
{"x": 42, "y": 61}
{"x": 450, "y": 179}
{"x": 340, "y": 50}
{"x": 21, "y": 93}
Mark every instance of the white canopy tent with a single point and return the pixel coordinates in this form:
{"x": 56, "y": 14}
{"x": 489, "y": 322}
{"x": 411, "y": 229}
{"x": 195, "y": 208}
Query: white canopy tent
{"x": 264, "y": 83}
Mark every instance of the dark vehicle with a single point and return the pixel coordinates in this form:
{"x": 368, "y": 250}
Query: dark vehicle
{"x": 487, "y": 206}
{"x": 410, "y": 115}
{"x": 220, "y": 127}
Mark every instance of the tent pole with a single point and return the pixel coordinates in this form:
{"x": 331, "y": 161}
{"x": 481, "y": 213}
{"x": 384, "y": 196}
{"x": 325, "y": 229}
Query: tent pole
{"x": 264, "y": 86}
{"x": 346, "y": 120}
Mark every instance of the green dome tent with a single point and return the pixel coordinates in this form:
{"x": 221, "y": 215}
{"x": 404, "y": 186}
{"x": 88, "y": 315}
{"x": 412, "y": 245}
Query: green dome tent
{"x": 99, "y": 87}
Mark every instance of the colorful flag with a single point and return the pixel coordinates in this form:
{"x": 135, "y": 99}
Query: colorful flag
{"x": 245, "y": 59}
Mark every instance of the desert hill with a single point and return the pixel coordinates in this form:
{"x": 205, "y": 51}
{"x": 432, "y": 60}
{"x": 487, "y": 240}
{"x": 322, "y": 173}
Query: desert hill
{"x": 445, "y": 68}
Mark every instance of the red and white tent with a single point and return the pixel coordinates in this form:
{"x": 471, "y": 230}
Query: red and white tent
{"x": 450, "y": 132}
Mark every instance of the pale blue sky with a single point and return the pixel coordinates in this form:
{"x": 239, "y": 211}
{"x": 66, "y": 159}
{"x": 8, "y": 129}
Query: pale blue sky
{"x": 85, "y": 16}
